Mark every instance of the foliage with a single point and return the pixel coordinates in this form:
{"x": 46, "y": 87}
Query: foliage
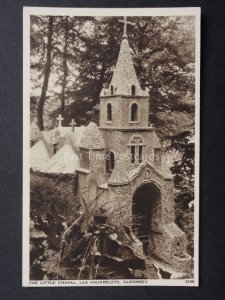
{"x": 183, "y": 172}
{"x": 53, "y": 193}
{"x": 183, "y": 169}
{"x": 84, "y": 250}
{"x": 163, "y": 54}
{"x": 185, "y": 220}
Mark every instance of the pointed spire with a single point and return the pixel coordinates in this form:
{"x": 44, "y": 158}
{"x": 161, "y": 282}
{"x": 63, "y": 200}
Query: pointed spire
{"x": 124, "y": 81}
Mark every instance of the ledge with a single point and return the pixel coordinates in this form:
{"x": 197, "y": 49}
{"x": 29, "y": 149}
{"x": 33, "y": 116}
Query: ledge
{"x": 134, "y": 122}
{"x": 124, "y": 96}
{"x": 128, "y": 128}
{"x": 103, "y": 186}
{"x": 82, "y": 170}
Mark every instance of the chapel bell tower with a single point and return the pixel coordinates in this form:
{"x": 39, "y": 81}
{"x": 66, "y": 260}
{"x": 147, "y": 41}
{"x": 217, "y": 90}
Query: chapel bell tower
{"x": 124, "y": 103}
{"x": 124, "y": 111}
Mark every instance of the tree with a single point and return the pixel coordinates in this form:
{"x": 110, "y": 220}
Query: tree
{"x": 100, "y": 46}
{"x": 46, "y": 74}
{"x": 183, "y": 169}
{"x": 162, "y": 53}
{"x": 65, "y": 69}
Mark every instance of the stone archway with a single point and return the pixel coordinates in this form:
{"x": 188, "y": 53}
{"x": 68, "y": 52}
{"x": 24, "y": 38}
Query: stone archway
{"x": 146, "y": 213}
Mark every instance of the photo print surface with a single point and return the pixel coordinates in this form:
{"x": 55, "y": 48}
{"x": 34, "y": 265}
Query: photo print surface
{"x": 111, "y": 146}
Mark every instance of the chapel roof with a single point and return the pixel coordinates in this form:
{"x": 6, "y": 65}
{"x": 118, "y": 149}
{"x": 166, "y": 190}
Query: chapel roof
{"x": 124, "y": 76}
{"x": 120, "y": 176}
{"x": 63, "y": 132}
{"x": 65, "y": 161}
{"x": 92, "y": 138}
{"x": 38, "y": 155}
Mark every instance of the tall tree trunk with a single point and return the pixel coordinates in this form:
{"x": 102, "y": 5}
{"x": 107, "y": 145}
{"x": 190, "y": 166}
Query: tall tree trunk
{"x": 99, "y": 84}
{"x": 65, "y": 70}
{"x": 46, "y": 75}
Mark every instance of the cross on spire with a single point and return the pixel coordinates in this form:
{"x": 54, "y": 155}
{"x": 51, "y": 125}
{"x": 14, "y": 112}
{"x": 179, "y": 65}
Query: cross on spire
{"x": 73, "y": 123}
{"x": 125, "y": 22}
{"x": 60, "y": 119}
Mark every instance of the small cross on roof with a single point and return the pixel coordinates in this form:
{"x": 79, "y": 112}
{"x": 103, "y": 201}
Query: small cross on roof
{"x": 60, "y": 119}
{"x": 73, "y": 123}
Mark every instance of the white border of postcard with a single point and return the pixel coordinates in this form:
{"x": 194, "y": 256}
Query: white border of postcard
{"x": 27, "y": 12}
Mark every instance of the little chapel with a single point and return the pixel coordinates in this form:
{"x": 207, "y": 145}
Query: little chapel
{"x": 120, "y": 163}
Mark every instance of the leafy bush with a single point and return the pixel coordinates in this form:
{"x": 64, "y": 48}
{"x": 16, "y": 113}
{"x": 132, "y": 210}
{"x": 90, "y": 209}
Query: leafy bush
{"x": 53, "y": 193}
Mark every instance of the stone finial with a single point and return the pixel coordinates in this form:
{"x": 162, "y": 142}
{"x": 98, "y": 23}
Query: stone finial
{"x": 150, "y": 125}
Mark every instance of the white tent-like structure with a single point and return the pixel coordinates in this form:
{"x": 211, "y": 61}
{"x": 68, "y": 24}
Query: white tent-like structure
{"x": 62, "y": 159}
{"x": 65, "y": 161}
{"x": 38, "y": 155}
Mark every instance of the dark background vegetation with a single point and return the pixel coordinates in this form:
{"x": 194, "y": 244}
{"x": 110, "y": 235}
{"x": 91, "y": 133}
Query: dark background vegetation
{"x": 72, "y": 60}
{"x": 212, "y": 158}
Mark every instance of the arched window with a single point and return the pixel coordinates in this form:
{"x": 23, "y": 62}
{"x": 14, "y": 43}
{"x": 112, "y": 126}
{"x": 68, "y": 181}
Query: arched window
{"x": 140, "y": 153}
{"x": 132, "y": 152}
{"x": 109, "y": 112}
{"x": 111, "y": 161}
{"x": 111, "y": 89}
{"x": 134, "y": 113}
{"x": 136, "y": 145}
{"x": 133, "y": 90}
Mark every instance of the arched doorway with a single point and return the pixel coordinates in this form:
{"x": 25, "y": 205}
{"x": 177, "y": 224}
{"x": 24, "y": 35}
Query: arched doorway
{"x": 146, "y": 213}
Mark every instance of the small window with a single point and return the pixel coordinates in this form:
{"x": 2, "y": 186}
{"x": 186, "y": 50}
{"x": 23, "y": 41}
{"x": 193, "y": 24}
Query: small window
{"x": 134, "y": 112}
{"x": 133, "y": 90}
{"x": 109, "y": 112}
{"x": 111, "y": 89}
{"x": 112, "y": 161}
{"x": 132, "y": 149}
{"x": 140, "y": 154}
{"x": 136, "y": 146}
